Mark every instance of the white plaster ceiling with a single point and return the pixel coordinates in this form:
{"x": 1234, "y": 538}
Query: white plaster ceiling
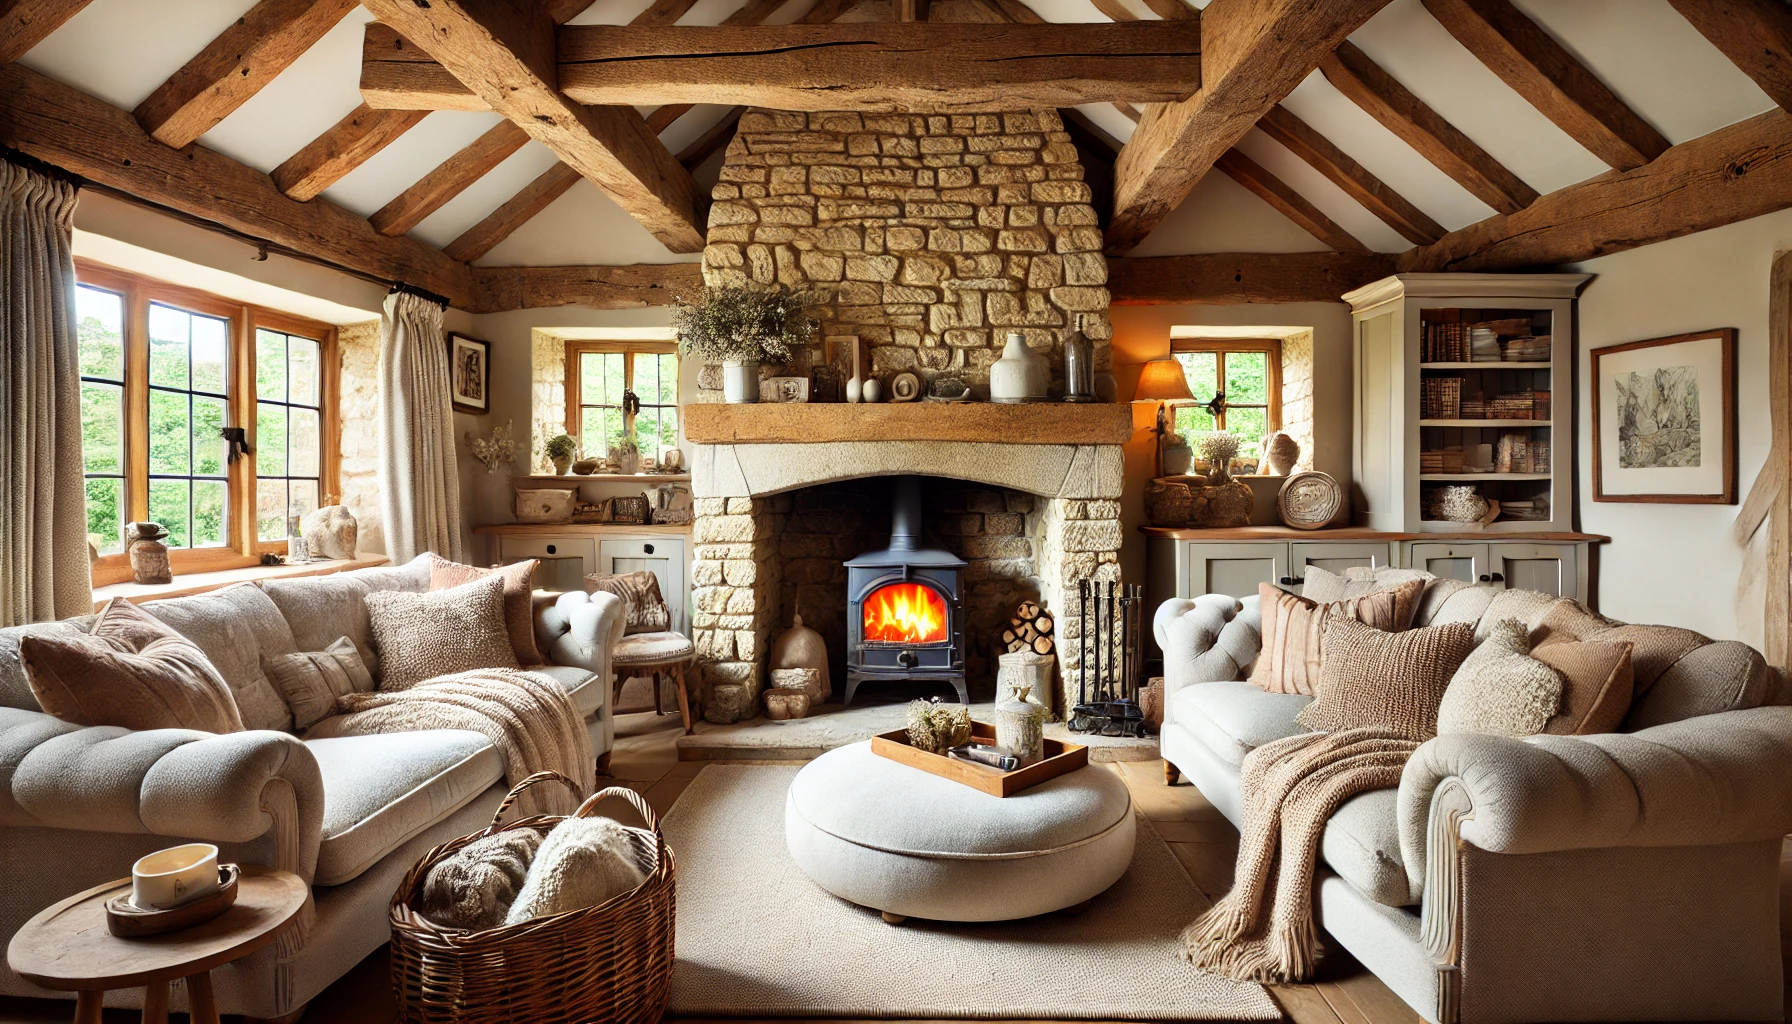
{"x": 121, "y": 50}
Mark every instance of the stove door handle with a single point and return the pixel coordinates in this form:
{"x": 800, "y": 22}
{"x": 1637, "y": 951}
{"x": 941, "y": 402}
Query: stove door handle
{"x": 907, "y": 659}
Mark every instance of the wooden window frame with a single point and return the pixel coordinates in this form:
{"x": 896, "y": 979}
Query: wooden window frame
{"x": 240, "y": 549}
{"x": 575, "y": 390}
{"x": 1272, "y": 347}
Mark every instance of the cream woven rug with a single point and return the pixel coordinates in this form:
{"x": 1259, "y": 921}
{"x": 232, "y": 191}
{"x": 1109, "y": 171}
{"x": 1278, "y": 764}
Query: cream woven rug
{"x": 756, "y": 938}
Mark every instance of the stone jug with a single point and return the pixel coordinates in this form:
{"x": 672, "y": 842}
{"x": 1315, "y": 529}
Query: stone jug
{"x": 1020, "y": 375}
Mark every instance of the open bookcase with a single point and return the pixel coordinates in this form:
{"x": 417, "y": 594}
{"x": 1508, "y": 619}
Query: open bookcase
{"x": 1464, "y": 390}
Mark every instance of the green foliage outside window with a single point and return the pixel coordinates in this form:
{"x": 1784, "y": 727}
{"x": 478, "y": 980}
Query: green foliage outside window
{"x": 1246, "y": 384}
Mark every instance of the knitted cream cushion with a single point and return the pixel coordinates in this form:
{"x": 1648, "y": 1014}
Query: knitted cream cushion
{"x": 1294, "y": 630}
{"x": 421, "y": 636}
{"x": 310, "y": 681}
{"x": 1500, "y": 689}
{"x": 1396, "y": 680}
{"x": 583, "y": 862}
{"x": 881, "y": 834}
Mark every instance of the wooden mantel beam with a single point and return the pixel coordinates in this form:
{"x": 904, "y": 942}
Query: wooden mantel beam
{"x": 1732, "y": 174}
{"x": 25, "y": 23}
{"x": 1254, "y": 52}
{"x": 1542, "y": 71}
{"x": 503, "y": 289}
{"x": 870, "y": 66}
{"x": 1236, "y": 278}
{"x": 63, "y": 126}
{"x": 235, "y": 66}
{"x": 505, "y": 54}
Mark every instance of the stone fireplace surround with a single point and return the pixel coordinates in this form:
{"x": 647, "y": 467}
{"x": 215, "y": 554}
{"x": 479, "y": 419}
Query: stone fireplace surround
{"x": 749, "y": 461}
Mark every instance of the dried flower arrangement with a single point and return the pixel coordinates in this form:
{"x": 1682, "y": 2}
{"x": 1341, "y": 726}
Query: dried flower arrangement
{"x": 743, "y": 323}
{"x": 496, "y": 449}
{"x": 1219, "y": 449}
{"x": 936, "y": 727}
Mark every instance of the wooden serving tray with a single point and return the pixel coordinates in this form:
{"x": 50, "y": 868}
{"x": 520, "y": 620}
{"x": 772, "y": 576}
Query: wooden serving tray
{"x": 127, "y": 921}
{"x": 1060, "y": 758}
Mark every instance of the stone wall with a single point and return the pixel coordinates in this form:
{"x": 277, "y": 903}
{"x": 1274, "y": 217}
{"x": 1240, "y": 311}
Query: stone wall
{"x": 358, "y": 346}
{"x": 931, "y": 237}
{"x": 1297, "y": 393}
{"x": 547, "y": 400}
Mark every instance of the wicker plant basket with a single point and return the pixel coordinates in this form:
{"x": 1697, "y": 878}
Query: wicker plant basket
{"x": 606, "y": 963}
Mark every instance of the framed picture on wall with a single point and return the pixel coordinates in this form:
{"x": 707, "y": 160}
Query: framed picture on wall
{"x": 1664, "y": 420}
{"x": 470, "y": 373}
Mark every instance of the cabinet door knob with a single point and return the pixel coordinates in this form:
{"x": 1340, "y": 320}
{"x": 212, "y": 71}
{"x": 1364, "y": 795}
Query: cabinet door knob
{"x": 1286, "y": 581}
{"x": 1486, "y": 578}
{"x": 1497, "y": 578}
{"x": 552, "y": 549}
{"x": 647, "y": 549}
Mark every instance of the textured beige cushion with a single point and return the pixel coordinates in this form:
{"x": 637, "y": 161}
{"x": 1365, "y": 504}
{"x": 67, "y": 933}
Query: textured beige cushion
{"x": 379, "y": 791}
{"x": 310, "y": 681}
{"x": 1500, "y": 688}
{"x": 1294, "y": 629}
{"x": 647, "y": 611}
{"x": 1596, "y": 685}
{"x": 131, "y": 670}
{"x": 651, "y": 649}
{"x": 421, "y": 636}
{"x": 519, "y": 606}
{"x": 1566, "y": 619}
{"x": 1396, "y": 680}
{"x": 235, "y": 628}
{"x": 320, "y": 609}
{"x": 1653, "y": 649}
{"x": 1234, "y": 718}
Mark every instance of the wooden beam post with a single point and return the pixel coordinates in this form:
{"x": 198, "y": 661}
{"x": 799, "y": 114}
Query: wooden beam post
{"x": 502, "y": 289}
{"x": 449, "y": 179}
{"x": 1538, "y": 68}
{"x": 1356, "y": 181}
{"x": 25, "y": 23}
{"x": 235, "y": 66}
{"x": 1778, "y": 625}
{"x": 1734, "y": 173}
{"x": 1254, "y": 52}
{"x": 1755, "y": 34}
{"x": 66, "y": 127}
{"x": 1288, "y": 202}
{"x": 348, "y": 144}
{"x": 505, "y": 54}
{"x": 1236, "y": 278}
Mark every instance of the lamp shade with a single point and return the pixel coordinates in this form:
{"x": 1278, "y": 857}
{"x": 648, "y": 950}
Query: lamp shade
{"x": 1162, "y": 380}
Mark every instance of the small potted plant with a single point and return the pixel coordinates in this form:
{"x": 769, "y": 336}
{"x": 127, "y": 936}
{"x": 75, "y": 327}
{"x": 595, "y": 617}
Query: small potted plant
{"x": 560, "y": 450}
{"x": 740, "y": 326}
{"x": 628, "y": 456}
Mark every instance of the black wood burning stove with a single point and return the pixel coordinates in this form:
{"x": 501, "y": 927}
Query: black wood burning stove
{"x": 905, "y": 606}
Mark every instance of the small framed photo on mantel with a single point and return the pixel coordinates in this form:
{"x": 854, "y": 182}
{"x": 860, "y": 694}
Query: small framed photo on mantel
{"x": 470, "y": 374}
{"x": 1664, "y": 420}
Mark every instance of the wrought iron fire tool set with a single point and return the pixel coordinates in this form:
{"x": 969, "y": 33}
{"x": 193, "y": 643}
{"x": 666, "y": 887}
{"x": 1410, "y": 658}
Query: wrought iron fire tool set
{"x": 1109, "y": 652}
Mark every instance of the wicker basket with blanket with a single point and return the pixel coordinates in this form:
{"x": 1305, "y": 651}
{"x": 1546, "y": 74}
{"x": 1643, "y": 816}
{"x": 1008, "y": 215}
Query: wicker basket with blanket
{"x": 611, "y": 962}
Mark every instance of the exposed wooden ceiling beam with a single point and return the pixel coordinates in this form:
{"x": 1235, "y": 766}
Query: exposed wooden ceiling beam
{"x": 1356, "y": 181}
{"x": 1288, "y": 202}
{"x": 713, "y": 138}
{"x": 1538, "y": 68}
{"x": 1254, "y": 53}
{"x": 858, "y": 66}
{"x": 498, "y": 225}
{"x": 662, "y": 12}
{"x": 826, "y": 10}
{"x": 1755, "y": 34}
{"x": 503, "y": 289}
{"x": 1235, "y": 278}
{"x": 1742, "y": 171}
{"x": 348, "y": 144}
{"x": 449, "y": 179}
{"x": 911, "y": 10}
{"x": 235, "y": 66}
{"x": 1173, "y": 10}
{"x": 506, "y": 55}
{"x": 25, "y": 23}
{"x": 63, "y": 126}
{"x": 563, "y": 11}
{"x": 1115, "y": 10}
{"x": 1352, "y": 73}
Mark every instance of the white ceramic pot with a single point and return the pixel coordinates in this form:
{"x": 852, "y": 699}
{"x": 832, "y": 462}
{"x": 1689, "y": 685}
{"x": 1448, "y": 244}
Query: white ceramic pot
{"x": 873, "y": 391}
{"x": 1020, "y": 375}
{"x": 740, "y": 381}
{"x": 171, "y": 877}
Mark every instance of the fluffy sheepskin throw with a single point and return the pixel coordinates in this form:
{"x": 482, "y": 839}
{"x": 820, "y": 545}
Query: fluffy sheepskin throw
{"x": 1263, "y": 929}
{"x": 584, "y": 862}
{"x": 529, "y": 717}
{"x": 474, "y": 887}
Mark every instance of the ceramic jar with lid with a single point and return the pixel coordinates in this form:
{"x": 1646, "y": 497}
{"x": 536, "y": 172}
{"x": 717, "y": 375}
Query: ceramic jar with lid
{"x": 1020, "y": 727}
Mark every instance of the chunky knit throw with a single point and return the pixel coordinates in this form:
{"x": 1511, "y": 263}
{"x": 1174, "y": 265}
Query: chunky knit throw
{"x": 1263, "y": 929}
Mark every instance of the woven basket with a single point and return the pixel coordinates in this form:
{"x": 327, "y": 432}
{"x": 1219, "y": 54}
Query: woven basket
{"x": 611, "y": 962}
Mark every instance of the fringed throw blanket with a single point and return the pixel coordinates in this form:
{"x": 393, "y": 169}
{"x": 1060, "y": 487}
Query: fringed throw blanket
{"x": 529, "y": 717}
{"x": 1263, "y": 929}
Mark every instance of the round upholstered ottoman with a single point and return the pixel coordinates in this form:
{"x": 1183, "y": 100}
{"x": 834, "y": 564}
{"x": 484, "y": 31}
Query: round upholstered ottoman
{"x": 897, "y": 839}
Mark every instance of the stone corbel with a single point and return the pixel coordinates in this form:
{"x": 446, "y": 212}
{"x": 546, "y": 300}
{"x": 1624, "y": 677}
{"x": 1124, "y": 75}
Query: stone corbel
{"x": 1440, "y": 921}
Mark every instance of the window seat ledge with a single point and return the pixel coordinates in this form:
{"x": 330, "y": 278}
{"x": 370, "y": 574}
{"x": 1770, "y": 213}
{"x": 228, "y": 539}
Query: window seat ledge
{"x": 187, "y": 584}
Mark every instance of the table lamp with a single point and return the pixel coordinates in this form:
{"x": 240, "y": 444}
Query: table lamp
{"x": 1162, "y": 381}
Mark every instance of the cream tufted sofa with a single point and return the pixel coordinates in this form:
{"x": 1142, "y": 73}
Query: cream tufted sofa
{"x": 351, "y": 815}
{"x": 1628, "y": 876}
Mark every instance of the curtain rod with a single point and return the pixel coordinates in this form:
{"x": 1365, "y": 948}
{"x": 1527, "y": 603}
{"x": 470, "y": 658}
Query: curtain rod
{"x": 422, "y": 293}
{"x": 31, "y": 163}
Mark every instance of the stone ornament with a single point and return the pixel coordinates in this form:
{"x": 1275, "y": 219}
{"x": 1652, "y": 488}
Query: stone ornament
{"x": 1025, "y": 673}
{"x": 1280, "y": 453}
{"x": 782, "y": 705}
{"x": 330, "y": 532}
{"x": 149, "y": 556}
{"x": 905, "y": 387}
{"x": 800, "y": 647}
{"x": 799, "y": 680}
{"x": 1310, "y": 500}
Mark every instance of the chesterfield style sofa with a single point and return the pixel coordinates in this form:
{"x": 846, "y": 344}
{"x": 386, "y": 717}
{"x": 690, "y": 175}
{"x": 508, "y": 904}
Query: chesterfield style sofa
{"x": 1625, "y": 876}
{"x": 350, "y": 815}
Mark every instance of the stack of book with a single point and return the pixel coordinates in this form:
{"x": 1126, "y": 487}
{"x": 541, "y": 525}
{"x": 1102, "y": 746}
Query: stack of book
{"x": 1474, "y": 407}
{"x": 1444, "y": 342}
{"x": 1514, "y": 405}
{"x": 1483, "y": 344}
{"x": 1528, "y": 510}
{"x": 1518, "y": 453}
{"x": 1440, "y": 398}
{"x": 1533, "y": 349}
{"x": 1441, "y": 460}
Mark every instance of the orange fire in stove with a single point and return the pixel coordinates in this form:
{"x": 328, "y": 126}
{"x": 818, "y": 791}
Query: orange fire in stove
{"x": 905, "y": 613}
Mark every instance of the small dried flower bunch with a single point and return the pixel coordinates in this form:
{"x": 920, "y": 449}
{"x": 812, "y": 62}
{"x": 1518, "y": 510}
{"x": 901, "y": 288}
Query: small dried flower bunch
{"x": 747, "y": 323}
{"x": 494, "y": 450}
{"x": 936, "y": 727}
{"x": 1219, "y": 449}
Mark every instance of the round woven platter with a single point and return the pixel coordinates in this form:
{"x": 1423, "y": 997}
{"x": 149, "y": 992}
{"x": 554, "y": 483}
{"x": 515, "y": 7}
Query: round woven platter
{"x": 1310, "y": 500}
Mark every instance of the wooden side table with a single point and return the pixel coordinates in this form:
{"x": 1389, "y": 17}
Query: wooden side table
{"x": 66, "y": 947}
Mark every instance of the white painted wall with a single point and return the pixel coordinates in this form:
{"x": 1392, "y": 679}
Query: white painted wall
{"x": 1677, "y": 564}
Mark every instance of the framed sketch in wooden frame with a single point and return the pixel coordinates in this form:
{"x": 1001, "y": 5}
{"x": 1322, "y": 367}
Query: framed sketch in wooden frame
{"x": 1664, "y": 420}
{"x": 470, "y": 374}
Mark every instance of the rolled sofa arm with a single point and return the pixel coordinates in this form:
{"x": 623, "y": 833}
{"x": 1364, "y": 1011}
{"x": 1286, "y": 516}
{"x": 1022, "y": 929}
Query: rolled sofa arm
{"x": 182, "y": 783}
{"x": 581, "y": 629}
{"x": 1207, "y": 640}
{"x": 1715, "y": 779}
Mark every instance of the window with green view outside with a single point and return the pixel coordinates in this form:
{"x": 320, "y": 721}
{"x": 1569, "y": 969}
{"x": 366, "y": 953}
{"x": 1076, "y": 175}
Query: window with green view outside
{"x": 99, "y": 331}
{"x": 604, "y": 374}
{"x": 1250, "y": 379}
{"x": 188, "y": 396}
{"x": 288, "y": 429}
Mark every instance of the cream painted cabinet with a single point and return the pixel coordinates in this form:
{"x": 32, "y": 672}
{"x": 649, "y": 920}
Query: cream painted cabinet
{"x": 1191, "y": 568}
{"x": 566, "y": 559}
{"x": 1559, "y": 569}
{"x": 662, "y": 555}
{"x": 1334, "y": 557}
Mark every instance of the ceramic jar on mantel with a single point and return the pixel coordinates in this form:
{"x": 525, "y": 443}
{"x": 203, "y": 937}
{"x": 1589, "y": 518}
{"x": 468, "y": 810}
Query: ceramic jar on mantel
{"x": 740, "y": 380}
{"x": 1020, "y": 728}
{"x": 1020, "y": 375}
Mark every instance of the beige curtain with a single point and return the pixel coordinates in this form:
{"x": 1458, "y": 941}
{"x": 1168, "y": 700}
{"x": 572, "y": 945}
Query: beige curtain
{"x": 44, "y": 570}
{"x": 420, "y": 487}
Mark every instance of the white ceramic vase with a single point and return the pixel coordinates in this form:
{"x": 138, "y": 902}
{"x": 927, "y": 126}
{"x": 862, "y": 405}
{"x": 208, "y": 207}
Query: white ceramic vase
{"x": 873, "y": 391}
{"x": 740, "y": 381}
{"x": 1020, "y": 375}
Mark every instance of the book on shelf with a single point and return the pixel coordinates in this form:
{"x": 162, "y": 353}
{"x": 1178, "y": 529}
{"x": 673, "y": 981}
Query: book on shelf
{"x": 1441, "y": 398}
{"x": 1530, "y": 349}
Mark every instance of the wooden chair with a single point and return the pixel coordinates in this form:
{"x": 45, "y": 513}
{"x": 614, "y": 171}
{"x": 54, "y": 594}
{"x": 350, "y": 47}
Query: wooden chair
{"x": 655, "y": 656}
